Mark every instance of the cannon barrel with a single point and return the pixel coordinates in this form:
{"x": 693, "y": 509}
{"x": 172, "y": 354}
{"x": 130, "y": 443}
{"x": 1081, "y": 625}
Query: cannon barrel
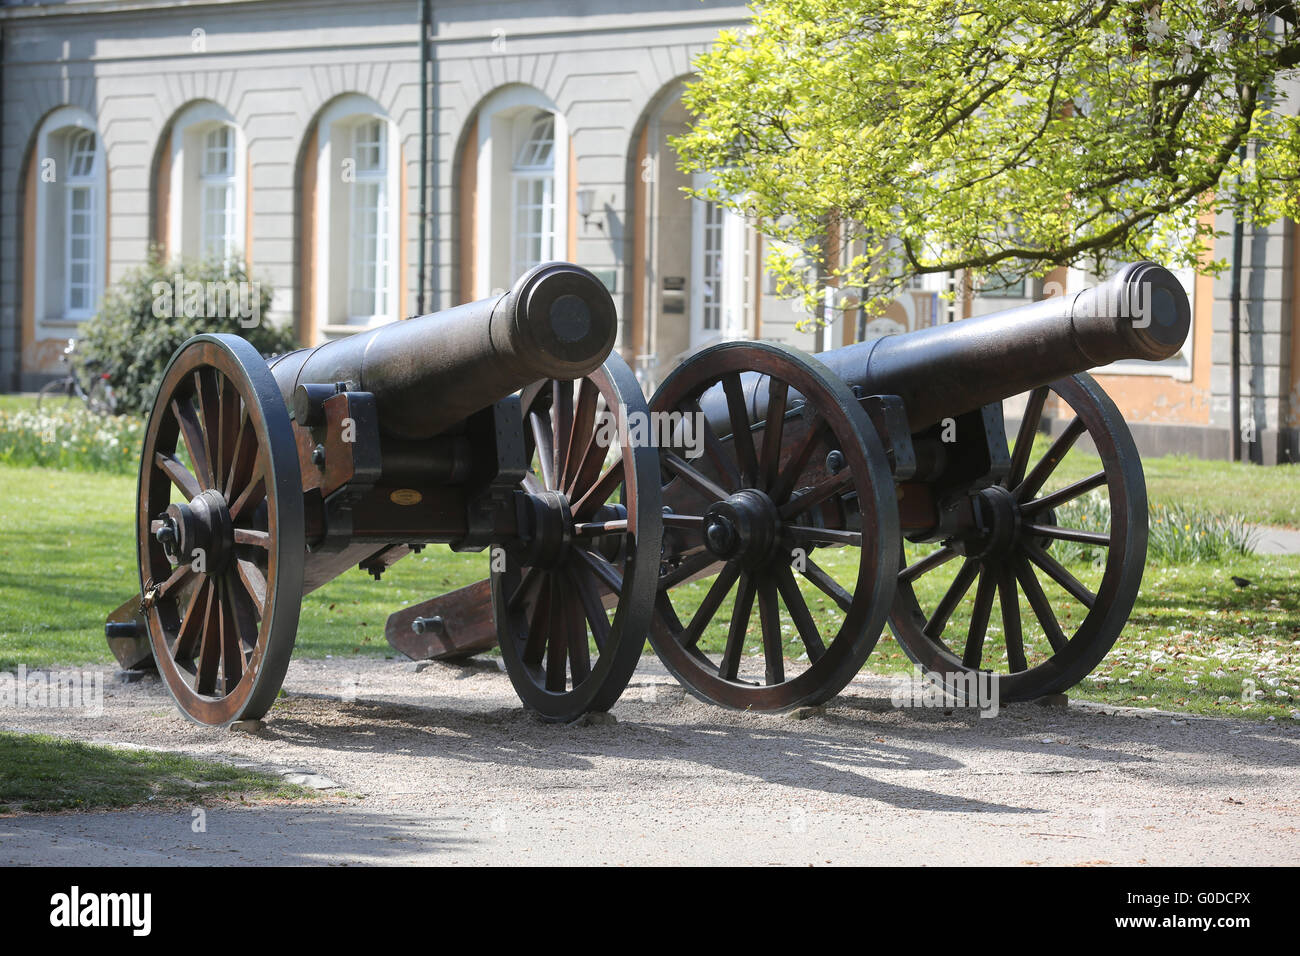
{"x": 432, "y": 372}
{"x": 946, "y": 370}
{"x": 941, "y": 371}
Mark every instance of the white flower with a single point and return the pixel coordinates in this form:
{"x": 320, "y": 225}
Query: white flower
{"x": 1195, "y": 36}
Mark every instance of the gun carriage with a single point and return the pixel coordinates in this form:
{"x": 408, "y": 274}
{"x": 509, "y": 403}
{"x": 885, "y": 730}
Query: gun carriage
{"x": 875, "y": 484}
{"x": 261, "y": 481}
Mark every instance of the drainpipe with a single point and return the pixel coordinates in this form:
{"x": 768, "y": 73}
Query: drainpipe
{"x": 1234, "y": 323}
{"x": 425, "y": 19}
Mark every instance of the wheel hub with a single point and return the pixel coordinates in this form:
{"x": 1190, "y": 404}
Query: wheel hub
{"x": 552, "y": 528}
{"x": 745, "y": 525}
{"x": 200, "y": 531}
{"x": 997, "y": 523}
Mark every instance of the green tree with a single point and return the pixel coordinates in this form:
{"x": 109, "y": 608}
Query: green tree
{"x": 150, "y": 312}
{"x": 1000, "y": 137}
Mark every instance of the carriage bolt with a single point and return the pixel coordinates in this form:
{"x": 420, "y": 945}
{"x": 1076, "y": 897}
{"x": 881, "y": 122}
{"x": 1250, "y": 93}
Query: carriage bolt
{"x": 835, "y": 462}
{"x": 435, "y": 624}
{"x": 318, "y": 456}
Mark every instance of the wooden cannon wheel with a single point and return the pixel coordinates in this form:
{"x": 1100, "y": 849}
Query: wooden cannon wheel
{"x": 220, "y": 531}
{"x": 744, "y": 519}
{"x": 572, "y": 613}
{"x": 1015, "y": 561}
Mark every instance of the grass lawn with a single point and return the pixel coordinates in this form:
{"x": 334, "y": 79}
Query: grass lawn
{"x": 44, "y": 773}
{"x": 67, "y": 558}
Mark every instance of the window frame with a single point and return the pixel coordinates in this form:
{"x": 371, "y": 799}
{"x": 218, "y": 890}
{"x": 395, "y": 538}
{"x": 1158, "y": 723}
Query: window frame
{"x": 53, "y": 309}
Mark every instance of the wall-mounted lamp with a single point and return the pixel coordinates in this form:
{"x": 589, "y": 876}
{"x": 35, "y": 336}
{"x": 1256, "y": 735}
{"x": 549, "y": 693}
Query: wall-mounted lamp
{"x": 586, "y": 198}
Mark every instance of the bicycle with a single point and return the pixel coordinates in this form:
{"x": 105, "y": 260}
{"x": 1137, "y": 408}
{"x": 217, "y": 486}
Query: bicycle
{"x": 98, "y": 396}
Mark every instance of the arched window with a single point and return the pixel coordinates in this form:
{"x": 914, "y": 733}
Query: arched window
{"x": 357, "y": 217}
{"x": 208, "y": 188}
{"x": 534, "y": 193}
{"x": 522, "y": 203}
{"x": 71, "y": 202}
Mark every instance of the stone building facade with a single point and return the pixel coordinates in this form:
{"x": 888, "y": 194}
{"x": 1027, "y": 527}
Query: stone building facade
{"x": 288, "y": 132}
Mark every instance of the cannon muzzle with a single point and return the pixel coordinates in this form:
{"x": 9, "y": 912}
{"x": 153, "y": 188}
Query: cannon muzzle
{"x": 432, "y": 372}
{"x": 941, "y": 371}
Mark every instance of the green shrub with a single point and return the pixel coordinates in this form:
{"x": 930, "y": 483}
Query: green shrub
{"x": 152, "y": 310}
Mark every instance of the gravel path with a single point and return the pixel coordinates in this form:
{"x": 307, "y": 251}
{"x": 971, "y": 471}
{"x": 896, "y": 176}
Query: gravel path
{"x": 443, "y": 766}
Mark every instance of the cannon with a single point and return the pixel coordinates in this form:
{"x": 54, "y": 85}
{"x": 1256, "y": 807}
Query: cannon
{"x": 875, "y": 484}
{"x": 485, "y": 426}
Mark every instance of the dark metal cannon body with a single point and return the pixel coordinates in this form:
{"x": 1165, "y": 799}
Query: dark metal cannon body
{"x": 875, "y": 484}
{"x": 476, "y": 427}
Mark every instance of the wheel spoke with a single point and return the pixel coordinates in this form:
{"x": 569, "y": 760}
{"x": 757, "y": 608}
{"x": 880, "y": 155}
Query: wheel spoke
{"x": 258, "y": 539}
{"x": 228, "y": 413}
{"x": 579, "y": 651}
{"x": 245, "y": 459}
{"x": 539, "y": 624}
{"x": 196, "y": 614}
{"x": 717, "y": 593}
{"x": 582, "y": 439}
{"x": 798, "y": 461}
{"x": 1068, "y": 493}
{"x": 979, "y": 619}
{"x": 605, "y": 572}
{"x": 1009, "y": 600}
{"x": 1041, "y": 606}
{"x": 773, "y": 430}
{"x": 742, "y": 439}
{"x": 927, "y": 564}
{"x": 530, "y": 579}
{"x": 205, "y": 383}
{"x": 769, "y": 618}
{"x": 557, "y": 641}
{"x": 799, "y": 613}
{"x": 591, "y": 606}
{"x": 542, "y": 439}
{"x": 562, "y": 418}
{"x": 242, "y": 612}
{"x": 811, "y": 497}
{"x": 232, "y": 654}
{"x": 1067, "y": 534}
{"x": 184, "y": 571}
{"x": 952, "y": 597}
{"x": 1060, "y": 575}
{"x": 254, "y": 492}
{"x": 695, "y": 480}
{"x": 599, "y": 492}
{"x": 180, "y": 476}
{"x": 254, "y": 581}
{"x": 826, "y": 584}
{"x": 192, "y": 437}
{"x": 205, "y": 677}
{"x": 1025, "y": 437}
{"x": 729, "y": 666}
{"x": 691, "y": 566}
{"x": 1043, "y": 470}
{"x": 713, "y": 446}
